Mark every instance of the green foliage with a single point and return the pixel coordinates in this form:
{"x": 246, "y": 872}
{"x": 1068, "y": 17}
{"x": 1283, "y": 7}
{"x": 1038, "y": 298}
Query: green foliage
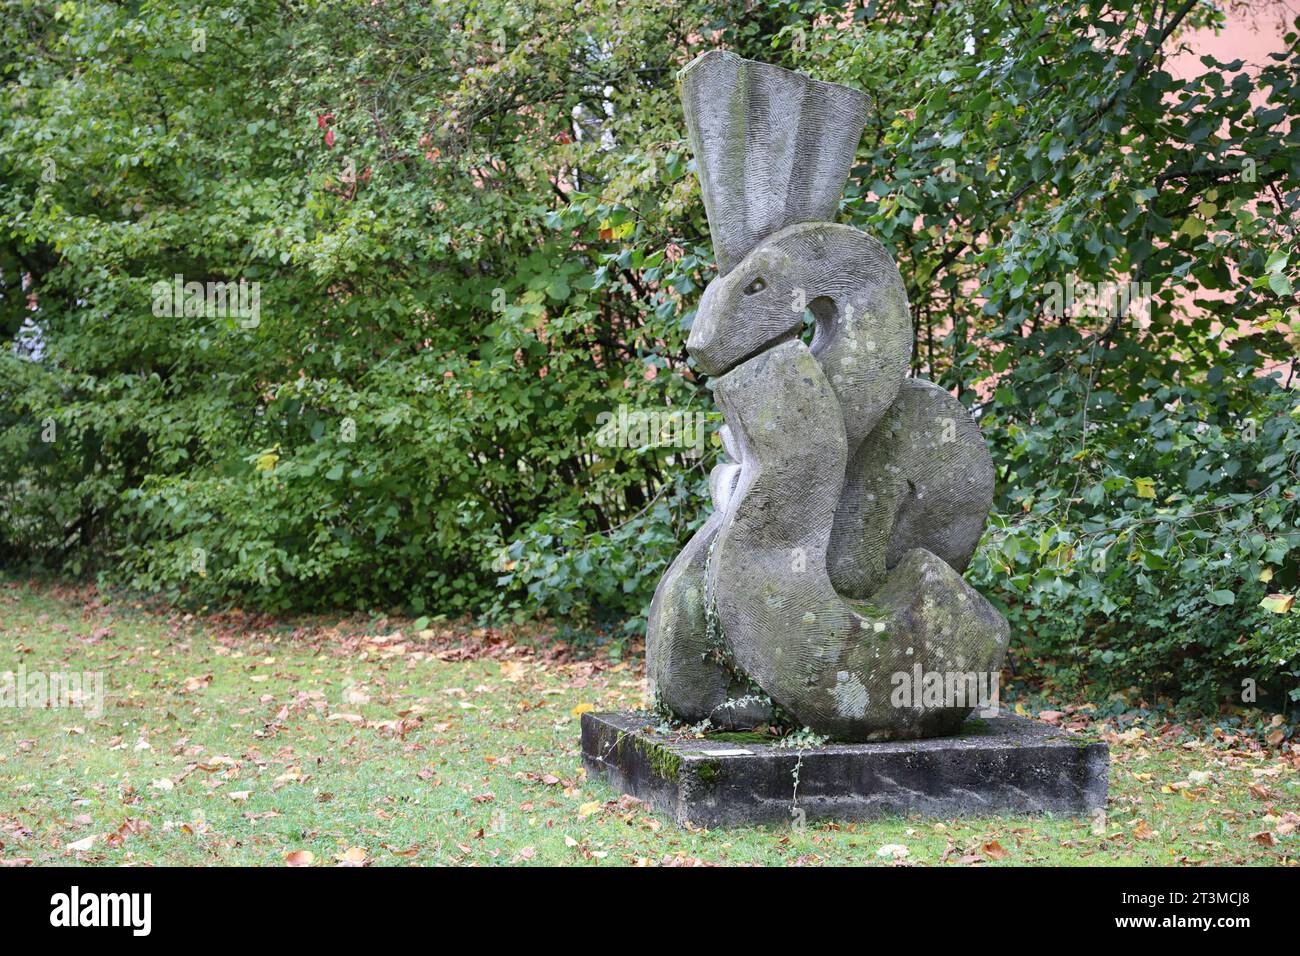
{"x": 406, "y": 186}
{"x": 1129, "y": 580}
{"x": 1056, "y": 151}
{"x": 476, "y": 230}
{"x": 554, "y": 564}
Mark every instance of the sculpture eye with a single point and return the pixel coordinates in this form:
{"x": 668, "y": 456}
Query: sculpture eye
{"x": 758, "y": 285}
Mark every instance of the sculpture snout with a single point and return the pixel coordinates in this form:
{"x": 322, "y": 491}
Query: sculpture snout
{"x": 703, "y": 342}
{"x": 729, "y": 329}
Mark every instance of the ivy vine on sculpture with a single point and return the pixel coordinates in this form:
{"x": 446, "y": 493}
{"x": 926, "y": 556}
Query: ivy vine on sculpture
{"x": 856, "y": 495}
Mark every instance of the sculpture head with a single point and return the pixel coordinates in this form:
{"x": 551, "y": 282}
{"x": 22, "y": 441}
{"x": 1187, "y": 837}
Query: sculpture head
{"x": 747, "y": 310}
{"x": 848, "y": 282}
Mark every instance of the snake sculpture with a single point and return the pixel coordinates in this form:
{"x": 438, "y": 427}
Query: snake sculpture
{"x": 855, "y": 496}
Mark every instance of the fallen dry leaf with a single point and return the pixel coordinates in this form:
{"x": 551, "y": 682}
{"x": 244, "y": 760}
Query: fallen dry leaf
{"x": 994, "y": 850}
{"x": 353, "y": 856}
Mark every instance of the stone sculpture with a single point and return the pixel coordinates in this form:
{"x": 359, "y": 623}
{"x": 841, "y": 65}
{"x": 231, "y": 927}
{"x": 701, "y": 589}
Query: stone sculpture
{"x": 855, "y": 496}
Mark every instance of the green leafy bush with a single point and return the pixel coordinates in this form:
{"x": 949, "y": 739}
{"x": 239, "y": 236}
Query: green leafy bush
{"x": 1150, "y": 566}
{"x": 444, "y": 314}
{"x": 476, "y": 232}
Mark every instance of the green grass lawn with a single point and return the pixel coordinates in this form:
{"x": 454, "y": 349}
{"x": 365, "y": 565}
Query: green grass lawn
{"x": 233, "y": 740}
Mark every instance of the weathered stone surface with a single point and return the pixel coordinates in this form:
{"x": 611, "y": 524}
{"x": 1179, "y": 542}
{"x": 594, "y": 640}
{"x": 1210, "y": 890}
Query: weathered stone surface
{"x": 773, "y": 147}
{"x": 680, "y": 664}
{"x": 922, "y": 479}
{"x": 863, "y": 337}
{"x": 856, "y": 496}
{"x": 998, "y": 765}
{"x": 825, "y": 658}
{"x": 684, "y": 653}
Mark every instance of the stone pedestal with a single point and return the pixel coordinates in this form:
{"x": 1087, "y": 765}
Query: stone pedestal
{"x": 997, "y": 765}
